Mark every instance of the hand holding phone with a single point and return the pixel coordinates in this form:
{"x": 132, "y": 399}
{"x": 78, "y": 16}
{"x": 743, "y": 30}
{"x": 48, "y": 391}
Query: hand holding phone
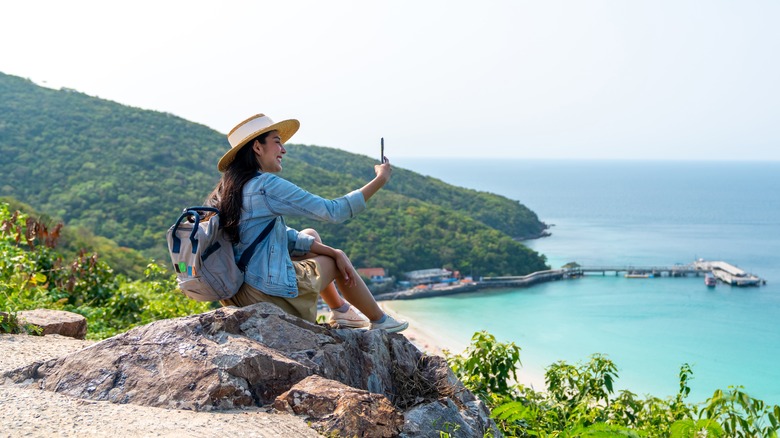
{"x": 383, "y": 169}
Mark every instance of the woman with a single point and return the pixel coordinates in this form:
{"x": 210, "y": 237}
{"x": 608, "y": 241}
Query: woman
{"x": 249, "y": 196}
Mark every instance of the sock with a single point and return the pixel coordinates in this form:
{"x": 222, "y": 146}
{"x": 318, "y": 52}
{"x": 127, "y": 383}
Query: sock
{"x": 344, "y": 307}
{"x": 381, "y": 320}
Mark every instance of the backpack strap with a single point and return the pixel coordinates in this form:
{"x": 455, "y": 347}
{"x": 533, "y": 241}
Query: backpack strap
{"x": 186, "y": 213}
{"x": 250, "y": 250}
{"x": 174, "y": 238}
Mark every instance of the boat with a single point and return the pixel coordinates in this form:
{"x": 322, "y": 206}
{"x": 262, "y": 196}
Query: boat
{"x": 638, "y": 275}
{"x": 710, "y": 280}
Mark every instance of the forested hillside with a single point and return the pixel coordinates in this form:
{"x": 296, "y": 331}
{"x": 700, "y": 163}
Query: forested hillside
{"x": 501, "y": 213}
{"x": 124, "y": 173}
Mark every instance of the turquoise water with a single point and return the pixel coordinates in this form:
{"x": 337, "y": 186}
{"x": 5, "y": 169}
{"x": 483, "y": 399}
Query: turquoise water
{"x": 633, "y": 213}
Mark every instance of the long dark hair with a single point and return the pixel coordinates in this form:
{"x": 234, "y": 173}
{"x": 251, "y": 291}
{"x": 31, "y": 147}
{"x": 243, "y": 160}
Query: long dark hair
{"x": 228, "y": 195}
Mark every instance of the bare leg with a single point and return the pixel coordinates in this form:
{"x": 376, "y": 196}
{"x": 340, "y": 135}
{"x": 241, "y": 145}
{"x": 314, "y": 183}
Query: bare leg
{"x": 358, "y": 294}
{"x": 330, "y": 295}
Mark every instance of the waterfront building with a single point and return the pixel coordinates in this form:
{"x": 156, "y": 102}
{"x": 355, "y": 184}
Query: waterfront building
{"x": 428, "y": 276}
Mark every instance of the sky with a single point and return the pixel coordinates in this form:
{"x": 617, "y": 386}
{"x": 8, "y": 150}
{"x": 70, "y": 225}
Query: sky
{"x": 579, "y": 79}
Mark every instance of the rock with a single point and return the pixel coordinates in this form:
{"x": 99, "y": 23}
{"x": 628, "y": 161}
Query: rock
{"x": 333, "y": 408}
{"x": 257, "y": 355}
{"x": 428, "y": 419}
{"x": 57, "y": 322}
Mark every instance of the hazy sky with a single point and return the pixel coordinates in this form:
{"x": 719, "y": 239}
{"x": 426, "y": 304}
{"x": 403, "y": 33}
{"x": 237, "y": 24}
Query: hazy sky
{"x": 676, "y": 79}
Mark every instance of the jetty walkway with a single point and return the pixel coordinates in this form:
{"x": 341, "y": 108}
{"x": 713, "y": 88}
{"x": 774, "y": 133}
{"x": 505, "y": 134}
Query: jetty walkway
{"x": 677, "y": 270}
{"x": 723, "y": 271}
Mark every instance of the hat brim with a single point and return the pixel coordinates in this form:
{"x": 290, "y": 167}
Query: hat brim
{"x": 286, "y": 128}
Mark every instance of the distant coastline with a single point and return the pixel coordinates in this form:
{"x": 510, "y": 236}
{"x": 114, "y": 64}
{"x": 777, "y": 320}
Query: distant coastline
{"x": 493, "y": 283}
{"x": 443, "y": 289}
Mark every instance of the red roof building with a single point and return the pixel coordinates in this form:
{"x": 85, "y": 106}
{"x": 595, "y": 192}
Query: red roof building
{"x": 372, "y": 273}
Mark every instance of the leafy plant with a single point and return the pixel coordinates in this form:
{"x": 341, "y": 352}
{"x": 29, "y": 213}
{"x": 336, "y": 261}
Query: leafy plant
{"x": 9, "y": 323}
{"x": 695, "y": 429}
{"x": 580, "y": 401}
{"x": 741, "y": 415}
{"x": 487, "y": 367}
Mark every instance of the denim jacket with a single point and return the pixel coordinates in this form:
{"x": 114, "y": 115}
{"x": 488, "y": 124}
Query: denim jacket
{"x": 268, "y": 196}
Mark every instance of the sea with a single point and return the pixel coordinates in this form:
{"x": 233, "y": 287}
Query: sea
{"x": 631, "y": 213}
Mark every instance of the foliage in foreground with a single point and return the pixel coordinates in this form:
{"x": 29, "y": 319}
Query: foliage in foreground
{"x": 580, "y": 400}
{"x": 10, "y": 323}
{"x": 34, "y": 275}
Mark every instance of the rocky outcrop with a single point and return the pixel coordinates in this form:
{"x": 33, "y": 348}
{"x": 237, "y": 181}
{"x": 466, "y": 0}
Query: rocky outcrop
{"x": 333, "y": 407}
{"x": 58, "y": 322}
{"x": 346, "y": 382}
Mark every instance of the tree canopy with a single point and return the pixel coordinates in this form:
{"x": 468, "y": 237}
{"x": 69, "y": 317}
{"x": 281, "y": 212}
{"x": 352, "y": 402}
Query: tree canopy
{"x": 125, "y": 173}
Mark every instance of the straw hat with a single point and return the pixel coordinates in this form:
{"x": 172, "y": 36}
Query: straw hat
{"x": 250, "y": 128}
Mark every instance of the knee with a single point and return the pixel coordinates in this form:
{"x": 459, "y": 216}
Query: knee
{"x": 312, "y": 232}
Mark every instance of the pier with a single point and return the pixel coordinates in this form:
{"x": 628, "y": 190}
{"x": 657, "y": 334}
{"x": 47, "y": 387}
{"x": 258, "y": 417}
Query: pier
{"x": 525, "y": 280}
{"x": 723, "y": 271}
{"x": 677, "y": 270}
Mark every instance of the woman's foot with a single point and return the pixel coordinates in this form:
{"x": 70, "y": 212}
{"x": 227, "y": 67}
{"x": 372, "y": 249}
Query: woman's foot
{"x": 390, "y": 324}
{"x": 351, "y": 318}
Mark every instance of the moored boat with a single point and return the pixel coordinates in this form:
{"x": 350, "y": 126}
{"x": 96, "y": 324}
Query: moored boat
{"x": 709, "y": 280}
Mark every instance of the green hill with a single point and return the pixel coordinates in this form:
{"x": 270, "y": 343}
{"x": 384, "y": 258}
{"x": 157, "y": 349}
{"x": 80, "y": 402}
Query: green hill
{"x": 124, "y": 173}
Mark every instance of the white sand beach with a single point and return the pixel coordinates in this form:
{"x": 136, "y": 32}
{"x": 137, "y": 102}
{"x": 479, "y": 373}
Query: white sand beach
{"x": 421, "y": 336}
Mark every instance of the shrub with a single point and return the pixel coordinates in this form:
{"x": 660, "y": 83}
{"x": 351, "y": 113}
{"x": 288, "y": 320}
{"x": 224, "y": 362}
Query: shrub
{"x": 580, "y": 400}
{"x": 34, "y": 275}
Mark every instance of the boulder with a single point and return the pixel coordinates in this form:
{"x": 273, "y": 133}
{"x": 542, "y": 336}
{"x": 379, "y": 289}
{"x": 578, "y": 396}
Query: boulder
{"x": 58, "y": 322}
{"x": 333, "y": 408}
{"x": 258, "y": 355}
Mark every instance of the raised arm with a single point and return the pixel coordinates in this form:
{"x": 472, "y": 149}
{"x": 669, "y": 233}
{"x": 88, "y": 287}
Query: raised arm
{"x": 383, "y": 173}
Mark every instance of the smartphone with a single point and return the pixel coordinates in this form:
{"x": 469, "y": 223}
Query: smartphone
{"x": 382, "y": 153}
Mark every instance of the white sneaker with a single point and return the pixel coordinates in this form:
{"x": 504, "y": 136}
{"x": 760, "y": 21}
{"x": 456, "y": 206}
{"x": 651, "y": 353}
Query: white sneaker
{"x": 391, "y": 325}
{"x": 352, "y": 318}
